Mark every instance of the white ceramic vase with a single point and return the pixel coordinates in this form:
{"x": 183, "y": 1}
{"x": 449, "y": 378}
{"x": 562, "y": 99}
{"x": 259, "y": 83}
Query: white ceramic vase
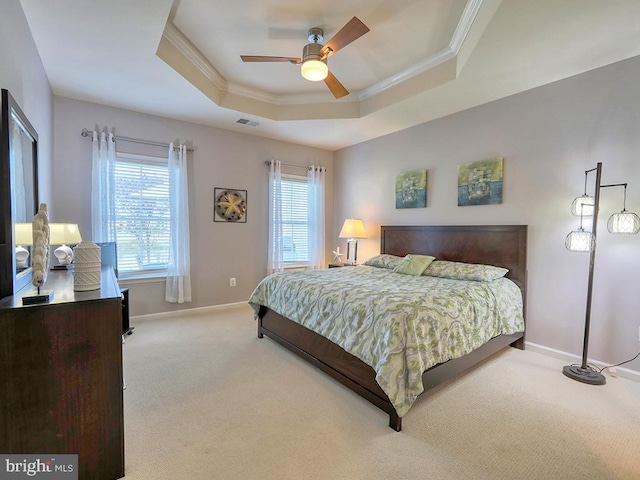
{"x": 86, "y": 270}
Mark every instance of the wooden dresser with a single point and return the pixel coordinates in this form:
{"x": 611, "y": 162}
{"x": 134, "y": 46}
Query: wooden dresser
{"x": 61, "y": 376}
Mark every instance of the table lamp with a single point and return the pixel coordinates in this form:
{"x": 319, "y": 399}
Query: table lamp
{"x": 352, "y": 229}
{"x": 64, "y": 234}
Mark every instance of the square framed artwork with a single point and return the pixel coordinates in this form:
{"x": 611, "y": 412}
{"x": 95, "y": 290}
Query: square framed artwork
{"x": 229, "y": 205}
{"x": 480, "y": 183}
{"x": 411, "y": 189}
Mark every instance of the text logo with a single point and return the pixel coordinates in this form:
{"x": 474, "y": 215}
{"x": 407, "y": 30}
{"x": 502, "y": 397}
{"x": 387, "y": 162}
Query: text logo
{"x": 43, "y": 467}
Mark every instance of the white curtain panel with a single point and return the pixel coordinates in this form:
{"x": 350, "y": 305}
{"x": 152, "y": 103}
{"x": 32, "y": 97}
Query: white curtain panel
{"x": 275, "y": 261}
{"x": 178, "y": 289}
{"x": 315, "y": 182}
{"x": 103, "y": 208}
{"x": 19, "y": 206}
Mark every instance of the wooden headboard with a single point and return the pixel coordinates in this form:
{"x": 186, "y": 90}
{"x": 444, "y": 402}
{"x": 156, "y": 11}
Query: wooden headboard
{"x": 499, "y": 245}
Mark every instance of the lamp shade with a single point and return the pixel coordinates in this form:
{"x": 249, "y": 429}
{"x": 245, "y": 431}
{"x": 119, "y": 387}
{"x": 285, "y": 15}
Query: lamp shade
{"x": 580, "y": 241}
{"x": 352, "y": 228}
{"x": 583, "y": 205}
{"x": 23, "y": 234}
{"x": 314, "y": 70}
{"x": 625, "y": 223}
{"x": 64, "y": 233}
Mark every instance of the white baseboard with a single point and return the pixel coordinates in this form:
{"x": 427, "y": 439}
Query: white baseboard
{"x": 571, "y": 358}
{"x": 189, "y": 311}
{"x": 532, "y": 347}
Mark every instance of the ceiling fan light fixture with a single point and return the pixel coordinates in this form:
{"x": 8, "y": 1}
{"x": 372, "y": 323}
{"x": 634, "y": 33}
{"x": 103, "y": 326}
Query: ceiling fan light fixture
{"x": 314, "y": 55}
{"x": 314, "y": 64}
{"x": 314, "y": 70}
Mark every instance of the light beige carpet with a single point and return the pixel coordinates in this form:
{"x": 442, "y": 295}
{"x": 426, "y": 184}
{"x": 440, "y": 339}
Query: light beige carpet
{"x": 207, "y": 399}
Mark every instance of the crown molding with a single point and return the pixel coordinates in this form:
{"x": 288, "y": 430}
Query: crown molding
{"x": 186, "y": 48}
{"x": 469, "y": 15}
{"x": 416, "y": 69}
{"x": 182, "y": 43}
{"x": 279, "y": 99}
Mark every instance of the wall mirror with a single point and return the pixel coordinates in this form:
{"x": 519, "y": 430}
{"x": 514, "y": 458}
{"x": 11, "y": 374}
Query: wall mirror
{"x": 19, "y": 197}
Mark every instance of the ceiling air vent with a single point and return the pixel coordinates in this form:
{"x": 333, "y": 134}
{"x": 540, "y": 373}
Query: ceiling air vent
{"x": 251, "y": 123}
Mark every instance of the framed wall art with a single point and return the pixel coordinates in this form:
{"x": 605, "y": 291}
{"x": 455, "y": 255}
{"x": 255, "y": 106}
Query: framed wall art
{"x": 480, "y": 183}
{"x": 229, "y": 205}
{"x": 411, "y": 189}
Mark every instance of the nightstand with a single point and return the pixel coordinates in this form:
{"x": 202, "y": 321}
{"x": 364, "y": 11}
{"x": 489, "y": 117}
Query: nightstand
{"x": 338, "y": 265}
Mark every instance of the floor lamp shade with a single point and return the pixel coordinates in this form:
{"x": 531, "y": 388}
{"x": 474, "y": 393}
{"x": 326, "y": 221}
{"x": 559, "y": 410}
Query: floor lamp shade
{"x": 580, "y": 241}
{"x": 352, "y": 229}
{"x": 583, "y": 205}
{"x": 624, "y": 223}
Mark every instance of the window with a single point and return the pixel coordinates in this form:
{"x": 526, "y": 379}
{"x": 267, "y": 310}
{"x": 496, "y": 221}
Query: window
{"x": 142, "y": 215}
{"x": 295, "y": 220}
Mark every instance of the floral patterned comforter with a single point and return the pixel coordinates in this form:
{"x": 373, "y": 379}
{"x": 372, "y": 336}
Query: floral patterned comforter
{"x": 400, "y": 325}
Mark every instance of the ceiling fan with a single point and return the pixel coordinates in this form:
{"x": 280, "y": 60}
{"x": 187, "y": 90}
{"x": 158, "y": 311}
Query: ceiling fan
{"x": 315, "y": 54}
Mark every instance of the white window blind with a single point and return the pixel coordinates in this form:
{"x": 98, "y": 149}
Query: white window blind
{"x": 142, "y": 214}
{"x": 295, "y": 220}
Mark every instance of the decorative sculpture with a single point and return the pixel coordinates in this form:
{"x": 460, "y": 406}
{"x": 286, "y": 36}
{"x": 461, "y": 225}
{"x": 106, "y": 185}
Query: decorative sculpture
{"x": 337, "y": 256}
{"x": 40, "y": 259}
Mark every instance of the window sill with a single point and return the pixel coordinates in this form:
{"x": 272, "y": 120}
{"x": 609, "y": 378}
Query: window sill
{"x": 295, "y": 266}
{"x": 142, "y": 278}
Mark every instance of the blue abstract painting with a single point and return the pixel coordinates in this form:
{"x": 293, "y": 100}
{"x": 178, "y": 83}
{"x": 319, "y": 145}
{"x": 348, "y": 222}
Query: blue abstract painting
{"x": 411, "y": 189}
{"x": 480, "y": 183}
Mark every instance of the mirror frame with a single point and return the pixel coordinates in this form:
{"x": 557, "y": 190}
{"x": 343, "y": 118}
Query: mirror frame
{"x": 9, "y": 281}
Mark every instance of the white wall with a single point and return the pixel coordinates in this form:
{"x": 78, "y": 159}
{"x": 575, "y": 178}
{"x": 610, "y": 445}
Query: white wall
{"x": 22, "y": 73}
{"x": 221, "y": 159}
{"x": 549, "y": 136}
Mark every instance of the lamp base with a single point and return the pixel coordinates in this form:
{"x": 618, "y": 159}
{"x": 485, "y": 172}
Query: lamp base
{"x": 584, "y": 375}
{"x": 62, "y": 267}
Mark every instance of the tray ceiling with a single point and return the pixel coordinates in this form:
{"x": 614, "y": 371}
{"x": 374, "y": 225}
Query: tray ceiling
{"x": 422, "y": 59}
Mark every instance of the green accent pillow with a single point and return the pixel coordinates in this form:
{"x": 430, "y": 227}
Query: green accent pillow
{"x": 384, "y": 261}
{"x": 465, "y": 271}
{"x": 414, "y": 264}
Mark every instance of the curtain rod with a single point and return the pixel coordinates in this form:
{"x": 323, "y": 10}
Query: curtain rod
{"x": 268, "y": 163}
{"x": 87, "y": 133}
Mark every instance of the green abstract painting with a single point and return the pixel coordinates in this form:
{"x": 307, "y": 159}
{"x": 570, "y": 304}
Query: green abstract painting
{"x": 480, "y": 183}
{"x": 411, "y": 189}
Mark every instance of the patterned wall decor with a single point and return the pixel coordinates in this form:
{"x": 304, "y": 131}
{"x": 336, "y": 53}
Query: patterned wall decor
{"x": 480, "y": 183}
{"x": 230, "y": 205}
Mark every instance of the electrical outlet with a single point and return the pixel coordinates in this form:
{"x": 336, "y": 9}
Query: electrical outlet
{"x": 232, "y": 282}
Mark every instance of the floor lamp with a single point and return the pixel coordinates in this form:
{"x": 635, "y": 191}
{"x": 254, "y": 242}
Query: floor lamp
{"x": 581, "y": 240}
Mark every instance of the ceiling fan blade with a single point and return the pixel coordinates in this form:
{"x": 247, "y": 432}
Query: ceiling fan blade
{"x": 353, "y": 30}
{"x": 335, "y": 86}
{"x": 262, "y": 58}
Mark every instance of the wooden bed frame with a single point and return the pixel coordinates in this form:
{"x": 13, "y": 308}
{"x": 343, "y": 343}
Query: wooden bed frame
{"x": 499, "y": 245}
